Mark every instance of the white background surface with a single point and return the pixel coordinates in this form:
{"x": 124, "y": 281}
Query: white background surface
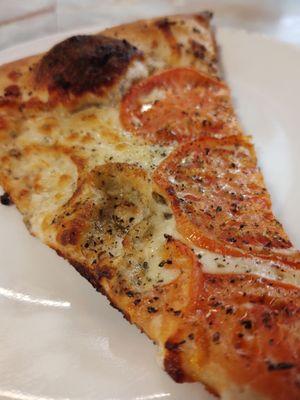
{"x": 277, "y": 18}
{"x": 59, "y": 339}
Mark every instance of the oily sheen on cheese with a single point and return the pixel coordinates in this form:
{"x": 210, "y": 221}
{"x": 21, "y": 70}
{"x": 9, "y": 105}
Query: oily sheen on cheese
{"x": 123, "y": 153}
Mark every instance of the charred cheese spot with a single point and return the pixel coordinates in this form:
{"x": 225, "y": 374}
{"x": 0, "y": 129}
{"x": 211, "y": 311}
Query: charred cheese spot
{"x": 12, "y": 91}
{"x": 83, "y": 64}
{"x": 198, "y": 49}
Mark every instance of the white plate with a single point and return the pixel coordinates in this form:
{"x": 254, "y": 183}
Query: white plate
{"x": 59, "y": 339}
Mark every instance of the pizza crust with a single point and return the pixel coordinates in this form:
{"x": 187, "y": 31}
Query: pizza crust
{"x": 182, "y": 40}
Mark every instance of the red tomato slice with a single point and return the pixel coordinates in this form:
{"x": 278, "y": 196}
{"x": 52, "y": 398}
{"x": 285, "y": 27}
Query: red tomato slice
{"x": 219, "y": 199}
{"x": 252, "y": 328}
{"x": 248, "y": 325}
{"x": 178, "y": 105}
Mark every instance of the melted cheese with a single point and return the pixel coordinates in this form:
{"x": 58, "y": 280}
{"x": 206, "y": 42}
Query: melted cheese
{"x": 218, "y": 264}
{"x": 214, "y": 263}
{"x": 162, "y": 227}
{"x": 96, "y": 135}
{"x": 136, "y": 71}
{"x": 155, "y": 273}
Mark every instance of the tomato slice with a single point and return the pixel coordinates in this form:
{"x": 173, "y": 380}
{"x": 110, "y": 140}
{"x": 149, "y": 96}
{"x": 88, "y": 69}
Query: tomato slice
{"x": 178, "y": 105}
{"x": 252, "y": 328}
{"x": 219, "y": 199}
{"x": 247, "y": 325}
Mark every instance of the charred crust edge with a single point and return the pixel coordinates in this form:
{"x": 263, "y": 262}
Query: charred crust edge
{"x": 5, "y": 199}
{"x": 204, "y": 17}
{"x": 94, "y": 280}
{"x": 172, "y": 365}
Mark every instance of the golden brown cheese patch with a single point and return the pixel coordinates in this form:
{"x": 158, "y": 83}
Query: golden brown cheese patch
{"x": 83, "y": 64}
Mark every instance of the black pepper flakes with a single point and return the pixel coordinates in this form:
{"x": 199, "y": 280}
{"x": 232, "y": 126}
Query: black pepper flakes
{"x": 247, "y": 323}
{"x": 279, "y": 366}
{"x": 216, "y": 337}
{"x": 163, "y": 262}
{"x": 145, "y": 265}
{"x": 151, "y": 310}
{"x": 168, "y": 215}
{"x": 267, "y": 320}
{"x": 229, "y": 310}
{"x": 231, "y": 239}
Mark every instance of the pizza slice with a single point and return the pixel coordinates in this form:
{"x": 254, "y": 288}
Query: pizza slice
{"x": 123, "y": 153}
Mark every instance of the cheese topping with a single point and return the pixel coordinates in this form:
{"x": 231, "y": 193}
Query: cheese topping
{"x": 156, "y": 272}
{"x": 145, "y": 265}
{"x": 213, "y": 263}
{"x": 94, "y": 133}
{"x": 274, "y": 270}
{"x": 106, "y": 141}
